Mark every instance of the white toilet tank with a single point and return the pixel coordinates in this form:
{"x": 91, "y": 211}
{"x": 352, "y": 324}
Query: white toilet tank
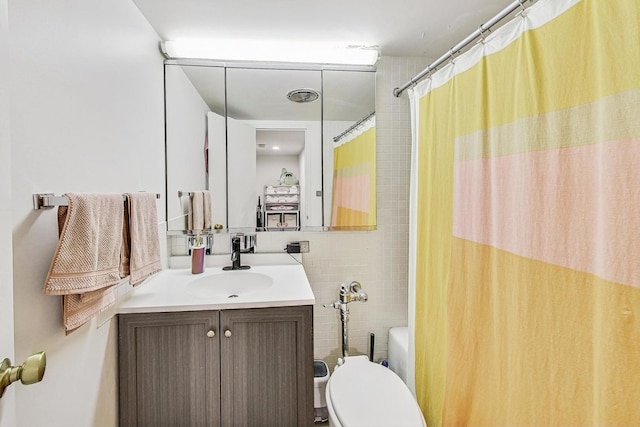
{"x": 399, "y": 351}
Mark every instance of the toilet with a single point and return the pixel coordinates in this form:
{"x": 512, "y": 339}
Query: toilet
{"x": 360, "y": 393}
{"x": 399, "y": 351}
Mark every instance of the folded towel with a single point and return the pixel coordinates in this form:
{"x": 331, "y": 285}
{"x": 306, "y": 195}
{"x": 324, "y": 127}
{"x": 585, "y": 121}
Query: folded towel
{"x": 86, "y": 263}
{"x": 143, "y": 236}
{"x": 87, "y": 257}
{"x": 78, "y": 309}
{"x": 206, "y": 200}
{"x": 196, "y": 211}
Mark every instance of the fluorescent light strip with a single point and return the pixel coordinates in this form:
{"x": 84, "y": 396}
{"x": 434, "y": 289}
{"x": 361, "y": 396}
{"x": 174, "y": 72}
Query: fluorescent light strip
{"x": 244, "y": 50}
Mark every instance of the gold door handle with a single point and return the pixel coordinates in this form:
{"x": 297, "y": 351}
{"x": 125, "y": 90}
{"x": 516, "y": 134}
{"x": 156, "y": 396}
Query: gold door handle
{"x": 30, "y": 372}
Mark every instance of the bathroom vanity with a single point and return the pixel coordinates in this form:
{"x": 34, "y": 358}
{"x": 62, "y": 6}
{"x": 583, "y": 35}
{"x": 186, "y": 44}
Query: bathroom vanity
{"x": 192, "y": 354}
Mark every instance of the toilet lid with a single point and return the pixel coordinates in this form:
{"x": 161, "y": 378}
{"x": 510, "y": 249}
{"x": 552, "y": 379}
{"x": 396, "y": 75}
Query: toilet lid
{"x": 367, "y": 394}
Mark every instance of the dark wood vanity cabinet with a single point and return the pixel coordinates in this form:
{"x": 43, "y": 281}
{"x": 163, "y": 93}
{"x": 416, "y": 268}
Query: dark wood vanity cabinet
{"x": 247, "y": 367}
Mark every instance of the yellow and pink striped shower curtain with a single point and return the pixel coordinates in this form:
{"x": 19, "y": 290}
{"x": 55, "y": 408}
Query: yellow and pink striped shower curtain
{"x": 527, "y": 255}
{"x": 354, "y": 180}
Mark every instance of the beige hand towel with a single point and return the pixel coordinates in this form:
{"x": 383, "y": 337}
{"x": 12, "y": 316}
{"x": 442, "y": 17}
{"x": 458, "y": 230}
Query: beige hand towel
{"x": 190, "y": 211}
{"x": 206, "y": 200}
{"x": 87, "y": 257}
{"x": 78, "y": 309}
{"x": 144, "y": 241}
{"x": 86, "y": 263}
{"x": 196, "y": 211}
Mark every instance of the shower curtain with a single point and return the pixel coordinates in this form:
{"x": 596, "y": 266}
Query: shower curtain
{"x": 354, "y": 179}
{"x": 526, "y": 256}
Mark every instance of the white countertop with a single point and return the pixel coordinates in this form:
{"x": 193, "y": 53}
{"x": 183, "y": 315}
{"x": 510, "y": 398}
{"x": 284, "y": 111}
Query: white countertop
{"x": 166, "y": 291}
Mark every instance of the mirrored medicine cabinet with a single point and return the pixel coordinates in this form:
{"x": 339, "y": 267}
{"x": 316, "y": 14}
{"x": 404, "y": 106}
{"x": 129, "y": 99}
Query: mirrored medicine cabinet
{"x": 263, "y": 142}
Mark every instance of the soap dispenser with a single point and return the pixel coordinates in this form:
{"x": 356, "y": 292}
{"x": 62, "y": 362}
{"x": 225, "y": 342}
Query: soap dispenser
{"x": 197, "y": 255}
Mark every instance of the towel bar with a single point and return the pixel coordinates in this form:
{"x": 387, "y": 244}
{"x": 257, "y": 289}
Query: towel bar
{"x": 48, "y": 200}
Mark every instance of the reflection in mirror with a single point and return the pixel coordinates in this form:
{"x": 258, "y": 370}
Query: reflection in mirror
{"x": 267, "y": 132}
{"x": 195, "y": 141}
{"x": 349, "y": 150}
{"x": 225, "y": 144}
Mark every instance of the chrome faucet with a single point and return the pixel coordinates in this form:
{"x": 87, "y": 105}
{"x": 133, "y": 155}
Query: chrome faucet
{"x": 235, "y": 256}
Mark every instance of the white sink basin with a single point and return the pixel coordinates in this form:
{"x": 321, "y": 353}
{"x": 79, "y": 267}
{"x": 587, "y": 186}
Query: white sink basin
{"x": 228, "y": 284}
{"x": 274, "y": 280}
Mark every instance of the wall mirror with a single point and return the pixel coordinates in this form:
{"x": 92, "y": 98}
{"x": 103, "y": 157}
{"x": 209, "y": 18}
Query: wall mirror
{"x": 266, "y": 144}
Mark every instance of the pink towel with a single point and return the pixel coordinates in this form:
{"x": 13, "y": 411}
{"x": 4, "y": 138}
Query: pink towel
{"x": 206, "y": 201}
{"x": 87, "y": 257}
{"x": 199, "y": 213}
{"x": 86, "y": 263}
{"x": 143, "y": 238}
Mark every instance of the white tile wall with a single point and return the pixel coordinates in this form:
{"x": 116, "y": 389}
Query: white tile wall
{"x": 377, "y": 259}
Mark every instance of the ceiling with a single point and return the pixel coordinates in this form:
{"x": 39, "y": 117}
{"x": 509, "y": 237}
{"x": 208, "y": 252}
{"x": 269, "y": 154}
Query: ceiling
{"x": 418, "y": 28}
{"x": 427, "y": 28}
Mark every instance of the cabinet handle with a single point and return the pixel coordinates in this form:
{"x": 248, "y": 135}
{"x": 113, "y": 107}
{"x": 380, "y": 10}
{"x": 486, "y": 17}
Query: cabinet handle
{"x": 211, "y": 333}
{"x": 227, "y": 333}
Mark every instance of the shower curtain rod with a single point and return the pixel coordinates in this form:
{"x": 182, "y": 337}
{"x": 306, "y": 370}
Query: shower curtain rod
{"x": 353, "y": 126}
{"x": 464, "y": 43}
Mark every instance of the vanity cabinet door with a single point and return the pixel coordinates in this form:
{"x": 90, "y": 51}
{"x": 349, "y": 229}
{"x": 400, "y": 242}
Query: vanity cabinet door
{"x": 169, "y": 369}
{"x": 267, "y": 367}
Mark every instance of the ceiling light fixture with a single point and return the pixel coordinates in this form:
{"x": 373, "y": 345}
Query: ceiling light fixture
{"x": 246, "y": 50}
{"x": 302, "y": 96}
{"x": 275, "y": 147}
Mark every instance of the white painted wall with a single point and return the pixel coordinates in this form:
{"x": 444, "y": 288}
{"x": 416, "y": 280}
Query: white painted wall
{"x": 302, "y": 175}
{"x": 241, "y": 149}
{"x": 217, "y": 168}
{"x": 86, "y": 115}
{"x": 7, "y": 403}
{"x": 186, "y": 124}
{"x": 312, "y": 205}
{"x": 269, "y": 169}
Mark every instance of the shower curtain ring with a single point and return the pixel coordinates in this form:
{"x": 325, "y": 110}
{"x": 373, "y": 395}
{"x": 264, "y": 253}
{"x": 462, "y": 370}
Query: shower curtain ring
{"x": 452, "y": 56}
{"x": 523, "y": 9}
{"x": 482, "y": 30}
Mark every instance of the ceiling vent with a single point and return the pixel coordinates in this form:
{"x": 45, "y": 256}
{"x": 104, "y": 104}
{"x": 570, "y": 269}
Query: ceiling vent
{"x": 302, "y": 96}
